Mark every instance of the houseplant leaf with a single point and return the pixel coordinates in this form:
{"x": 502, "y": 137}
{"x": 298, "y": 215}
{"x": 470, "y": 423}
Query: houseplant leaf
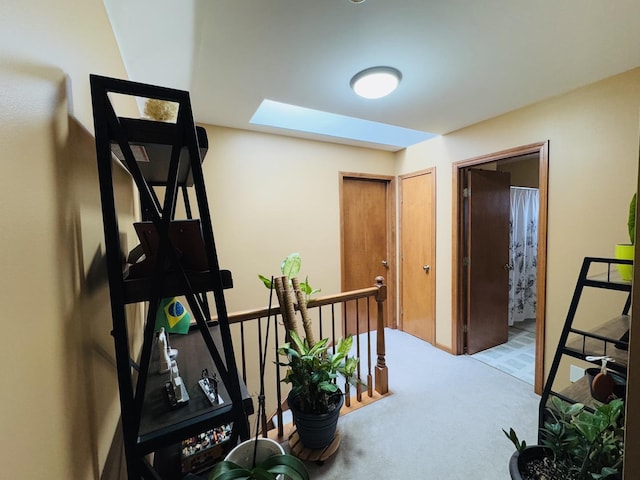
{"x": 227, "y": 470}
{"x": 288, "y": 465}
{"x": 265, "y": 280}
{"x": 290, "y": 266}
{"x": 631, "y": 224}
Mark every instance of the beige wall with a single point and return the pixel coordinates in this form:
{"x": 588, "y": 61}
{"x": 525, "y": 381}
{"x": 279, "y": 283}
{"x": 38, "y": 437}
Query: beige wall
{"x": 593, "y": 165}
{"x": 270, "y": 195}
{"x": 524, "y": 173}
{"x": 59, "y": 396}
{"x": 593, "y": 171}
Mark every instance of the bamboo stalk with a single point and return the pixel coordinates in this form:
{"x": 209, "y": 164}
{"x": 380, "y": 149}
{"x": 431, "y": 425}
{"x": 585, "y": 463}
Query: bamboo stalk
{"x": 302, "y": 306}
{"x": 286, "y": 306}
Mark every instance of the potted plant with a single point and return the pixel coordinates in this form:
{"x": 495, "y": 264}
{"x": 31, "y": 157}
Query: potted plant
{"x": 315, "y": 399}
{"x": 259, "y": 459}
{"x": 312, "y": 367}
{"x": 576, "y": 444}
{"x": 625, "y": 251}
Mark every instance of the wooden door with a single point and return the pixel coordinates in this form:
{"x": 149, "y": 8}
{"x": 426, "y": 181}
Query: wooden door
{"x": 487, "y": 259}
{"x": 367, "y": 244}
{"x": 417, "y": 230}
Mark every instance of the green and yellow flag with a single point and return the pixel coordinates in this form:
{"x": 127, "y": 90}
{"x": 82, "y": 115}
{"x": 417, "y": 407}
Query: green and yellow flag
{"x": 172, "y": 316}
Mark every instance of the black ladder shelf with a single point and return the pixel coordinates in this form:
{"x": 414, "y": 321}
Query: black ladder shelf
{"x": 148, "y": 421}
{"x": 610, "y": 338}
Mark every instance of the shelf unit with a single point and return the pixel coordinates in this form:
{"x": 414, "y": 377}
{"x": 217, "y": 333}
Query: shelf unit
{"x": 610, "y": 338}
{"x": 168, "y": 155}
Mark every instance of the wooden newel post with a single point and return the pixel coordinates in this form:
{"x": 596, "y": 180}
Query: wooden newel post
{"x": 382, "y": 374}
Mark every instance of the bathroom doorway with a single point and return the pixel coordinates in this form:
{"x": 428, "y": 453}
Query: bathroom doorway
{"x": 528, "y": 169}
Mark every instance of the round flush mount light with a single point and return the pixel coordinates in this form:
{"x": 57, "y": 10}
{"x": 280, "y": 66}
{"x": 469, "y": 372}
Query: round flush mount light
{"x": 376, "y": 82}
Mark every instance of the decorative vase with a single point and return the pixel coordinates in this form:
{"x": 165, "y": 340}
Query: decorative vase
{"x": 242, "y": 454}
{"x": 625, "y": 252}
{"x": 618, "y": 387}
{"x": 316, "y": 430}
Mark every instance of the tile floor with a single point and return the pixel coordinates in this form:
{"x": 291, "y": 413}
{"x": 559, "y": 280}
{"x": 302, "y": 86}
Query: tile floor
{"x": 517, "y": 356}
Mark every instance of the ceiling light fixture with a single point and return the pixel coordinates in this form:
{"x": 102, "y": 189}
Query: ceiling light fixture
{"x": 376, "y": 82}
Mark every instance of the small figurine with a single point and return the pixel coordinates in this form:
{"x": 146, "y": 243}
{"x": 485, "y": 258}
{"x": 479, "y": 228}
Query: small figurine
{"x": 163, "y": 351}
{"x": 176, "y": 382}
{"x": 209, "y": 385}
{"x": 176, "y": 388}
{"x": 214, "y": 380}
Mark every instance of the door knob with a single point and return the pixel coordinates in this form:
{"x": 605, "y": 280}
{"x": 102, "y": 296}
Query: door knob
{"x": 385, "y": 264}
{"x": 426, "y": 268}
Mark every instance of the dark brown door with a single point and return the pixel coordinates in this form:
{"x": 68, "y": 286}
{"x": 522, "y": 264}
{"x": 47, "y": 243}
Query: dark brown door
{"x": 487, "y": 259}
{"x": 366, "y": 249}
{"x": 418, "y": 255}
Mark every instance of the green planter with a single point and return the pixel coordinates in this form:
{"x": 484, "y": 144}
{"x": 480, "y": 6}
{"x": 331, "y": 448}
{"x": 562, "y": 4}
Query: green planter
{"x": 625, "y": 251}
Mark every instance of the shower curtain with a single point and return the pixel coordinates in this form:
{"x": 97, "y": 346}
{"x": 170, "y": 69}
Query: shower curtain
{"x": 523, "y": 251}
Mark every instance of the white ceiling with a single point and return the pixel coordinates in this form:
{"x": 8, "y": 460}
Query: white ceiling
{"x": 462, "y": 61}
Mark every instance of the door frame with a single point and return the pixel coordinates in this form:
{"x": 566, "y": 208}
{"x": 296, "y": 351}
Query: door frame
{"x": 426, "y": 171}
{"x": 390, "y": 278}
{"x": 542, "y": 150}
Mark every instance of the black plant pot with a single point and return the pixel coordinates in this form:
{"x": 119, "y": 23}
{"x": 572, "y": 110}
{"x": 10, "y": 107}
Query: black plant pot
{"x": 520, "y": 459}
{"x": 316, "y": 430}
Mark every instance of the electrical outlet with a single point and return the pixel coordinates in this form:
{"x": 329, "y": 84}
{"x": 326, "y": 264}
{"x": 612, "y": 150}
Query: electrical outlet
{"x": 575, "y": 373}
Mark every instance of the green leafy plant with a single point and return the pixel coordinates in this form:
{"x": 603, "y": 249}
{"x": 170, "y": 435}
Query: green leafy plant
{"x": 269, "y": 469}
{"x": 584, "y": 445}
{"x": 290, "y": 267}
{"x": 631, "y": 222}
{"x": 520, "y": 445}
{"x": 313, "y": 369}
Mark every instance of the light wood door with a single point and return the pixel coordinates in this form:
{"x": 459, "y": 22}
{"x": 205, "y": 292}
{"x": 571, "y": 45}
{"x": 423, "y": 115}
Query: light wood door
{"x": 367, "y": 245}
{"x": 487, "y": 259}
{"x": 417, "y": 252}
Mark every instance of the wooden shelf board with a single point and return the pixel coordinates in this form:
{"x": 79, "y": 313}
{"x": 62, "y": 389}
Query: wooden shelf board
{"x": 613, "y": 330}
{"x": 151, "y": 142}
{"x": 160, "y": 424}
{"x": 141, "y": 289}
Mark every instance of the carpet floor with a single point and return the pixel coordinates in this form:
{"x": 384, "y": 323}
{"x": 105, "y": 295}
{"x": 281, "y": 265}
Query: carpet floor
{"x": 443, "y": 420}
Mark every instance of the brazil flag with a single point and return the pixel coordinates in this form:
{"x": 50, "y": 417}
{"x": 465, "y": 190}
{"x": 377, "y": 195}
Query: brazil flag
{"x": 172, "y": 316}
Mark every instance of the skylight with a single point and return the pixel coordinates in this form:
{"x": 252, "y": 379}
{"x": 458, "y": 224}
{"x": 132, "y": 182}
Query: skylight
{"x": 292, "y": 117}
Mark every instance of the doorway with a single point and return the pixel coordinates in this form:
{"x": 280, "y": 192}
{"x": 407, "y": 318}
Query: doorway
{"x": 367, "y": 244}
{"x": 417, "y": 255}
{"x": 504, "y": 160}
{"x": 486, "y": 257}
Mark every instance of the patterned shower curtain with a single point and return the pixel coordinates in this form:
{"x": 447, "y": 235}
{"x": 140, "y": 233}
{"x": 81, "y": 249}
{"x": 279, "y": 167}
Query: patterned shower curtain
{"x": 523, "y": 251}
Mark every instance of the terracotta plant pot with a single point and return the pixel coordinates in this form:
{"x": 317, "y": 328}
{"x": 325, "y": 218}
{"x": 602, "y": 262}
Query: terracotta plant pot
{"x": 618, "y": 387}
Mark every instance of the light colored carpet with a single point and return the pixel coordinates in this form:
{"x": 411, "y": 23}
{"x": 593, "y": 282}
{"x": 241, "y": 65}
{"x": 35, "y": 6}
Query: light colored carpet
{"x": 443, "y": 420}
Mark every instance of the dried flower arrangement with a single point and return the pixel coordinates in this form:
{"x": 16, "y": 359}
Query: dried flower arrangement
{"x": 160, "y": 110}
